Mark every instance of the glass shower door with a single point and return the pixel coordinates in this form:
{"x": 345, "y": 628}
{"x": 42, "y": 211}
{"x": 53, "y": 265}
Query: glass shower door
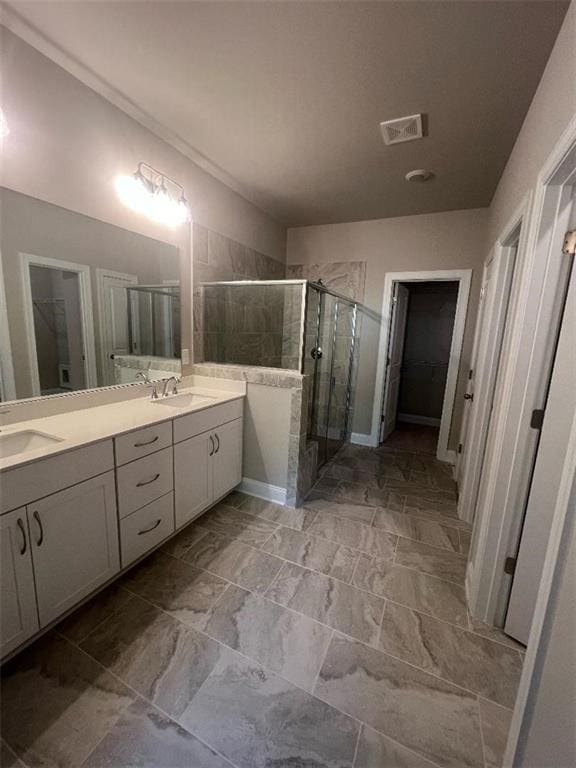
{"x": 341, "y": 377}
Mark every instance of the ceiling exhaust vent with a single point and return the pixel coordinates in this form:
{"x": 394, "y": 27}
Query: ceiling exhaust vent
{"x": 401, "y": 130}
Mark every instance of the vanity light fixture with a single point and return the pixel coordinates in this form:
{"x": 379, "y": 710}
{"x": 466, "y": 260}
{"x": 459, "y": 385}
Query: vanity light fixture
{"x": 4, "y": 130}
{"x": 154, "y": 194}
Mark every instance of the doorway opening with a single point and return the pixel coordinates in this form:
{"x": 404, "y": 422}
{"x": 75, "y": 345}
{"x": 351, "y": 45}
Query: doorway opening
{"x": 59, "y": 325}
{"x": 419, "y": 358}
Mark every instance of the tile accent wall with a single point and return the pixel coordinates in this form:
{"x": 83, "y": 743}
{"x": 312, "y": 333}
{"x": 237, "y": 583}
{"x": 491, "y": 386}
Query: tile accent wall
{"x": 236, "y": 325}
{"x": 345, "y": 277}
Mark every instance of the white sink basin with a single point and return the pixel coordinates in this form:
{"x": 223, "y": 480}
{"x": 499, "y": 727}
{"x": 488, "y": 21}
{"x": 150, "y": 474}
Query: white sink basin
{"x": 183, "y": 400}
{"x": 24, "y": 441}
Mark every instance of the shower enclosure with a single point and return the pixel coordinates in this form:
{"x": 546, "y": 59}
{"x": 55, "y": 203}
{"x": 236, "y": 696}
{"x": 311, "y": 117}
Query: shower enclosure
{"x": 292, "y": 325}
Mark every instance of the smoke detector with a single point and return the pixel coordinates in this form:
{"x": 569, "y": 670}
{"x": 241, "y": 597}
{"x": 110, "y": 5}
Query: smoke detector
{"x": 402, "y": 129}
{"x": 419, "y": 175}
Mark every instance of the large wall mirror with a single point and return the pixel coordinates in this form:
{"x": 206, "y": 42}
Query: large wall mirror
{"x": 83, "y": 303}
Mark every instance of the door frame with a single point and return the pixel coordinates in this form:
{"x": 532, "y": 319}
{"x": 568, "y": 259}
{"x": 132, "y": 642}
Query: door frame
{"x": 512, "y": 442}
{"x": 463, "y": 277}
{"x": 103, "y": 329}
{"x": 7, "y": 381}
{"x": 389, "y": 362}
{"x": 506, "y": 257}
{"x": 83, "y": 271}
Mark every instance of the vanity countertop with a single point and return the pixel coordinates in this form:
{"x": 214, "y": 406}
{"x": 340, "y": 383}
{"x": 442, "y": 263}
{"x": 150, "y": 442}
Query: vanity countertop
{"x": 78, "y": 428}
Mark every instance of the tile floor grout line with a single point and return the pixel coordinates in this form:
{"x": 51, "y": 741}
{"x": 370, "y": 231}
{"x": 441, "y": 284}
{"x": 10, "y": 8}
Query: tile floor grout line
{"x": 403, "y": 746}
{"x": 481, "y": 734}
{"x": 233, "y": 650}
{"x": 449, "y": 522}
{"x": 455, "y": 626}
{"x": 148, "y": 701}
{"x": 322, "y": 662}
{"x": 351, "y": 584}
{"x": 94, "y": 628}
{"x": 355, "y": 756}
{"x": 330, "y": 541}
{"x": 13, "y": 752}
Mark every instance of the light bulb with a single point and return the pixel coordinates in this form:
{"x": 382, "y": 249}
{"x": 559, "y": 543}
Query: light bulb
{"x": 154, "y": 201}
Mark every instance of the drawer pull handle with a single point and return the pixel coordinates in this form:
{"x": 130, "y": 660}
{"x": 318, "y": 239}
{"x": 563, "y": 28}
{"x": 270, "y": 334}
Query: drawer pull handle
{"x": 23, "y": 532}
{"x": 36, "y": 517}
{"x": 148, "y": 442}
{"x": 147, "y": 482}
{"x": 154, "y": 525}
{"x": 212, "y": 444}
{"x": 218, "y": 441}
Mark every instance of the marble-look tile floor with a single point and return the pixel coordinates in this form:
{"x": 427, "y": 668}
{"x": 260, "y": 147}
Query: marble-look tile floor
{"x": 331, "y": 636}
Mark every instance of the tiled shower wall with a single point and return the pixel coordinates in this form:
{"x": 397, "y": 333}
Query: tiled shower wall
{"x": 237, "y": 325}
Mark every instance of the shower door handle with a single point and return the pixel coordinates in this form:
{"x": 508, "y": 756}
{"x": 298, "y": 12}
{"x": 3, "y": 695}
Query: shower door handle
{"x": 316, "y": 353}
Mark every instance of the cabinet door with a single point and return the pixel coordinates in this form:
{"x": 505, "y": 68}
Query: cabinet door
{"x": 74, "y": 544}
{"x": 227, "y": 457}
{"x": 17, "y": 598}
{"x": 193, "y": 477}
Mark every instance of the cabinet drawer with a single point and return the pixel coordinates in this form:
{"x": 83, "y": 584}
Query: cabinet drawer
{"x": 142, "y": 442}
{"x": 144, "y": 480}
{"x": 146, "y": 528}
{"x": 22, "y": 485}
{"x": 195, "y": 423}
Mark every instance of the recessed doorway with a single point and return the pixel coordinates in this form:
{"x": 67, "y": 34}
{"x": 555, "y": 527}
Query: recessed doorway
{"x": 419, "y": 358}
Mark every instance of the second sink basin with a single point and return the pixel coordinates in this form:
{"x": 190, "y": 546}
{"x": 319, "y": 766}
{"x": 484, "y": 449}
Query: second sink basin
{"x": 183, "y": 400}
{"x": 24, "y": 441}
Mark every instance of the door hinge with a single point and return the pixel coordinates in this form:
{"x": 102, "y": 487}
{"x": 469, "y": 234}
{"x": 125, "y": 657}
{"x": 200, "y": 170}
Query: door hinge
{"x": 537, "y": 418}
{"x": 382, "y": 419}
{"x": 569, "y": 245}
{"x": 470, "y": 372}
{"x": 510, "y": 565}
{"x": 459, "y": 447}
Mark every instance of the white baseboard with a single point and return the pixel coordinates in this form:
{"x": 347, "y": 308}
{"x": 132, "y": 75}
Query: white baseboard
{"x": 263, "y": 490}
{"x": 448, "y": 456}
{"x": 428, "y": 421}
{"x": 360, "y": 438}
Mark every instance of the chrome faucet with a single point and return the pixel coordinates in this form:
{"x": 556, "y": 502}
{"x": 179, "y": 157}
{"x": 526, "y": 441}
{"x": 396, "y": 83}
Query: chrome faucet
{"x": 152, "y": 384}
{"x": 176, "y": 381}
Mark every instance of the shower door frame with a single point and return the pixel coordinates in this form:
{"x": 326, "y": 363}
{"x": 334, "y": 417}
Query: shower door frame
{"x": 322, "y": 291}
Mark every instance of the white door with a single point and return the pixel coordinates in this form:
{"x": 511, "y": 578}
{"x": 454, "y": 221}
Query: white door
{"x": 463, "y": 451}
{"x": 75, "y": 545}
{"x": 113, "y": 309}
{"x": 227, "y": 458}
{"x": 193, "y": 467}
{"x": 394, "y": 360}
{"x": 17, "y": 597}
{"x": 558, "y": 419}
{"x": 495, "y": 307}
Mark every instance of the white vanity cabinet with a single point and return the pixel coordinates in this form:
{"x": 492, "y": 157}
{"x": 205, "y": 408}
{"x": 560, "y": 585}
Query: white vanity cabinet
{"x": 17, "y": 597}
{"x": 74, "y": 537}
{"x": 206, "y": 467}
{"x": 71, "y": 522}
{"x": 227, "y": 459}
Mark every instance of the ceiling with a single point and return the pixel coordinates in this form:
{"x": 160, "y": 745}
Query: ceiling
{"x": 287, "y": 97}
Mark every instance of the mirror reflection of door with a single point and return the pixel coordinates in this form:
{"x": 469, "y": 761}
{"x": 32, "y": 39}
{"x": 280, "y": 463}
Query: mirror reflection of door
{"x": 57, "y": 318}
{"x": 113, "y": 309}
